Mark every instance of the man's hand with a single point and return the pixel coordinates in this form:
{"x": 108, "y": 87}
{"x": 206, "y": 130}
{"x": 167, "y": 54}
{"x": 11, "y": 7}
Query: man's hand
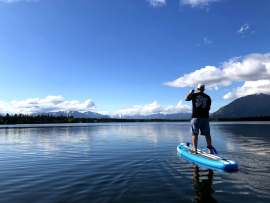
{"x": 191, "y": 92}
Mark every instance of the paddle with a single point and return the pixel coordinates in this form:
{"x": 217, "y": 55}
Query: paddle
{"x": 215, "y": 151}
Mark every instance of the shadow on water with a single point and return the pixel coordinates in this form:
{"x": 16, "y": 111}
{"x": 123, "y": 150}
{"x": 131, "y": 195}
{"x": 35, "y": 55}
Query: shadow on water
{"x": 202, "y": 176}
{"x": 202, "y": 185}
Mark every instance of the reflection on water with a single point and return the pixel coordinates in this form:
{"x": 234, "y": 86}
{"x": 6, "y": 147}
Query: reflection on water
{"x": 129, "y": 162}
{"x": 203, "y": 187}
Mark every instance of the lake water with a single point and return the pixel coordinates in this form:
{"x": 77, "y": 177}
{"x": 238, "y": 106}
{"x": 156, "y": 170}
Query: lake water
{"x": 130, "y": 162}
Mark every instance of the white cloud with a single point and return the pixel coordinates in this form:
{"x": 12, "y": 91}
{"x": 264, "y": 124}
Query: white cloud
{"x": 253, "y": 67}
{"x": 197, "y": 3}
{"x": 243, "y": 28}
{"x": 156, "y": 3}
{"x": 249, "y": 87}
{"x": 253, "y": 32}
{"x": 153, "y": 109}
{"x": 207, "y": 41}
{"x": 229, "y": 96}
{"x": 50, "y": 103}
{"x": 103, "y": 112}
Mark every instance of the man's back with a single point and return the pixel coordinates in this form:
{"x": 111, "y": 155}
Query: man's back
{"x": 201, "y": 104}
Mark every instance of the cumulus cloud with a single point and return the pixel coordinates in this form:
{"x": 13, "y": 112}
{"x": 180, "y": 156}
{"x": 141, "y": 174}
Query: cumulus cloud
{"x": 229, "y": 96}
{"x": 50, "y": 103}
{"x": 243, "y": 28}
{"x": 252, "y": 67}
{"x": 249, "y": 87}
{"x": 103, "y": 112}
{"x": 207, "y": 41}
{"x": 197, "y": 3}
{"x": 153, "y": 108}
{"x": 156, "y": 3}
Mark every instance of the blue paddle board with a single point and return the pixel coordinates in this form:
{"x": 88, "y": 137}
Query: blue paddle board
{"x": 203, "y": 157}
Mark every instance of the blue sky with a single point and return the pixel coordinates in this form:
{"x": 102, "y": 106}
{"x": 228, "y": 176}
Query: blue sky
{"x": 111, "y": 55}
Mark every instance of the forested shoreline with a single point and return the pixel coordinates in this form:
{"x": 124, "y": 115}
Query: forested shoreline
{"x": 258, "y": 118}
{"x": 45, "y": 119}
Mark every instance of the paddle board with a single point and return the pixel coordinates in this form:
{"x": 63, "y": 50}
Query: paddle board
{"x": 202, "y": 156}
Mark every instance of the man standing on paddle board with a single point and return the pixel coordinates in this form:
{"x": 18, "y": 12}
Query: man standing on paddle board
{"x": 201, "y": 104}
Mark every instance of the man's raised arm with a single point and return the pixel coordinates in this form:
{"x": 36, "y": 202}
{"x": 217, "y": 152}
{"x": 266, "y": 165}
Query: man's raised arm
{"x": 191, "y": 92}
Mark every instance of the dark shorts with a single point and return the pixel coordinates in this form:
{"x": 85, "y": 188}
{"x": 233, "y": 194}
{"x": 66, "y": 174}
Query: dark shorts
{"x": 201, "y": 124}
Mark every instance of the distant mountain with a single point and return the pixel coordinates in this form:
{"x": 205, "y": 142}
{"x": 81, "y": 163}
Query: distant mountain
{"x": 1, "y": 114}
{"x": 75, "y": 114}
{"x": 177, "y": 116}
{"x": 248, "y": 106}
{"x": 89, "y": 114}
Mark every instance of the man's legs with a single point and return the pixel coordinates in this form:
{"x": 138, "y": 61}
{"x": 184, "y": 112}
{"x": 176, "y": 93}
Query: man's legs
{"x": 194, "y": 131}
{"x": 195, "y": 142}
{"x": 205, "y": 130}
{"x": 208, "y": 141}
{"x": 209, "y": 144}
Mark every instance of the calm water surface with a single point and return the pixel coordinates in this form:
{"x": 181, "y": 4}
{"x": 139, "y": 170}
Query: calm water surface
{"x": 130, "y": 162}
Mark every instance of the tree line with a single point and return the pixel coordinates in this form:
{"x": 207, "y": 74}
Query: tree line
{"x": 39, "y": 119}
{"x": 258, "y": 118}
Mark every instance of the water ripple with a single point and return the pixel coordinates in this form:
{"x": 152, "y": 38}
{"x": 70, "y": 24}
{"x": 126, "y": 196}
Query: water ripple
{"x": 129, "y": 163}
